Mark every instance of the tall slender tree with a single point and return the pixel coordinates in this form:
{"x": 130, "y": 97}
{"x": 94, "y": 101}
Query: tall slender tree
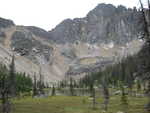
{"x": 4, "y": 90}
{"x": 53, "y": 91}
{"x": 41, "y": 82}
{"x": 12, "y": 81}
{"x": 35, "y": 90}
{"x": 71, "y": 87}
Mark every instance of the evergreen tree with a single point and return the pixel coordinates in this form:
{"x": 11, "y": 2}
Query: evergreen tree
{"x": 23, "y": 83}
{"x": 41, "y": 83}
{"x": 53, "y": 91}
{"x": 4, "y": 89}
{"x": 124, "y": 102}
{"x": 94, "y": 98}
{"x": 12, "y": 80}
{"x": 71, "y": 87}
{"x": 106, "y": 95}
{"x": 35, "y": 90}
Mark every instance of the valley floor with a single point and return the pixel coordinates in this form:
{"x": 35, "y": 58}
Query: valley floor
{"x": 75, "y": 104}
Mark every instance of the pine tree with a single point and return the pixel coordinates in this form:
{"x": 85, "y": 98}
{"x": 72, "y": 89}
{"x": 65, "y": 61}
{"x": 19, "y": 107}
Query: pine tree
{"x": 4, "y": 89}
{"x": 12, "y": 81}
{"x": 124, "y": 102}
{"x": 35, "y": 90}
{"x": 94, "y": 98}
{"x": 106, "y": 96}
{"x": 53, "y": 91}
{"x": 105, "y": 89}
{"x": 71, "y": 86}
{"x": 41, "y": 83}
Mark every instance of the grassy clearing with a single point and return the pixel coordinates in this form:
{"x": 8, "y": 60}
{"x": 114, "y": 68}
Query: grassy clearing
{"x": 76, "y": 104}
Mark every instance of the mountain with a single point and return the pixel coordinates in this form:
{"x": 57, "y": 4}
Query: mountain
{"x": 75, "y": 46}
{"x": 105, "y": 23}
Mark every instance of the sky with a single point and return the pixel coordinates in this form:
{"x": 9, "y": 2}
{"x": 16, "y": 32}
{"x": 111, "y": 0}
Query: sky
{"x": 48, "y": 13}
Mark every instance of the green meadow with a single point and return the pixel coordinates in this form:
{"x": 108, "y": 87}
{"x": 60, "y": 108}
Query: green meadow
{"x": 76, "y": 104}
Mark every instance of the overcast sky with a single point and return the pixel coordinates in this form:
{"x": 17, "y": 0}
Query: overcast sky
{"x": 48, "y": 13}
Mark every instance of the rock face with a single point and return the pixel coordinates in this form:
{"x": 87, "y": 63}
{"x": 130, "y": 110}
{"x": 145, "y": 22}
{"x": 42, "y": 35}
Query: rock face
{"x": 25, "y": 44}
{"x": 74, "y": 47}
{"x": 4, "y": 23}
{"x": 103, "y": 24}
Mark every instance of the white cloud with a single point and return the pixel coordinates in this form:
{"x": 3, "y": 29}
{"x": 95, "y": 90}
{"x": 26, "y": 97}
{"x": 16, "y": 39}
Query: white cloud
{"x": 48, "y": 13}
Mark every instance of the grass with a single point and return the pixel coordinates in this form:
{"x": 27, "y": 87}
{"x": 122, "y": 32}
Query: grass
{"x": 74, "y": 104}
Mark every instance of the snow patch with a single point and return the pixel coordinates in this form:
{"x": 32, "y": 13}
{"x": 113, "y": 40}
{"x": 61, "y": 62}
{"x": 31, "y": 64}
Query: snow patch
{"x": 141, "y": 40}
{"x": 111, "y": 45}
{"x": 95, "y": 46}
{"x": 108, "y": 46}
{"x": 127, "y": 44}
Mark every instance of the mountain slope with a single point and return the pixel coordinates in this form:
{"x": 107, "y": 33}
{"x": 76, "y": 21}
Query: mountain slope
{"x": 74, "y": 47}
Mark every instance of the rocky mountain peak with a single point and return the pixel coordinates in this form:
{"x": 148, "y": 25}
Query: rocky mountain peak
{"x": 103, "y": 24}
{"x": 105, "y": 10}
{"x": 4, "y": 23}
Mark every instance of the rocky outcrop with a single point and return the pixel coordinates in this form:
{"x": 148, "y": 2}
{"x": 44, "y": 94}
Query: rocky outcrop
{"x": 5, "y": 23}
{"x": 24, "y": 44}
{"x": 39, "y": 32}
{"x": 2, "y": 36}
{"x": 103, "y": 24}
